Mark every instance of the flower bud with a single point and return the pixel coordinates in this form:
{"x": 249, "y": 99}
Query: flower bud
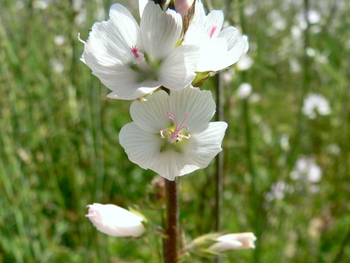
{"x": 234, "y": 241}
{"x": 183, "y": 6}
{"x": 115, "y": 221}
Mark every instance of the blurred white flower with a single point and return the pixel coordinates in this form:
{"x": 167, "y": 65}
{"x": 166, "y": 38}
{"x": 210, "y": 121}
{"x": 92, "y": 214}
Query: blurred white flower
{"x": 115, "y": 221}
{"x": 310, "y": 52}
{"x": 171, "y": 134}
{"x": 315, "y": 103}
{"x": 56, "y": 65}
{"x": 234, "y": 241}
{"x": 219, "y": 49}
{"x": 244, "y": 63}
{"x": 313, "y": 16}
{"x": 244, "y": 90}
{"x": 133, "y": 60}
{"x": 250, "y": 10}
{"x": 41, "y": 4}
{"x": 306, "y": 170}
{"x": 278, "y": 191}
{"x": 294, "y": 65}
{"x": 333, "y": 149}
{"x": 59, "y": 40}
{"x": 284, "y": 141}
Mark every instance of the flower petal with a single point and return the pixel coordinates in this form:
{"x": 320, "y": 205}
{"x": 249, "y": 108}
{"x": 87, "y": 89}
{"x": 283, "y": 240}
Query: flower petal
{"x": 237, "y": 44}
{"x": 204, "y": 146}
{"x": 110, "y": 41}
{"x": 177, "y": 69}
{"x": 172, "y": 164}
{"x": 214, "y": 19}
{"x": 199, "y": 105}
{"x": 149, "y": 115}
{"x": 142, "y": 147}
{"x": 160, "y": 30}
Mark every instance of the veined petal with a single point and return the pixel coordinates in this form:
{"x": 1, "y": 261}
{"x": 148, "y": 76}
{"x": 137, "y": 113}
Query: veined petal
{"x": 110, "y": 41}
{"x": 160, "y": 31}
{"x": 126, "y": 31}
{"x": 142, "y": 4}
{"x": 213, "y": 55}
{"x": 196, "y": 35}
{"x": 204, "y": 146}
{"x": 199, "y": 105}
{"x": 142, "y": 148}
{"x": 177, "y": 69}
{"x": 237, "y": 44}
{"x": 134, "y": 91}
{"x": 149, "y": 115}
{"x": 121, "y": 79}
{"x": 172, "y": 164}
{"x": 213, "y": 23}
{"x": 114, "y": 76}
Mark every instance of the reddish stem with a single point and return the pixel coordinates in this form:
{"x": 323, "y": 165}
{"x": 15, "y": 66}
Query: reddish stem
{"x": 170, "y": 242}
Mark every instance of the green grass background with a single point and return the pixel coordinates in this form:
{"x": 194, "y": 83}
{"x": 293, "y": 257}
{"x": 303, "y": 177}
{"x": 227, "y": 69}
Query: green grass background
{"x": 59, "y": 147}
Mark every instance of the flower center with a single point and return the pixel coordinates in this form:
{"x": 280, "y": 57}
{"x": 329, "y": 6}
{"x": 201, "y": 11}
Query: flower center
{"x": 212, "y": 31}
{"x": 142, "y": 65}
{"x": 175, "y": 135}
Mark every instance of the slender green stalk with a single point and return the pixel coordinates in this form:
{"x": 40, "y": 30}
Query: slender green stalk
{"x": 172, "y": 218}
{"x": 219, "y": 160}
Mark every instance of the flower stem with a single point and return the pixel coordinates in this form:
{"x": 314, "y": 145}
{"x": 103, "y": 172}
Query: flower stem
{"x": 219, "y": 160}
{"x": 170, "y": 242}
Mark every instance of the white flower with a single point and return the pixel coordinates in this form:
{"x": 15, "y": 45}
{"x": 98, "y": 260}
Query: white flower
{"x": 278, "y": 191}
{"x": 244, "y": 90}
{"x": 315, "y": 103}
{"x": 133, "y": 60}
{"x": 219, "y": 49}
{"x": 245, "y": 63}
{"x": 171, "y": 134}
{"x": 234, "y": 241}
{"x": 115, "y": 221}
{"x": 307, "y": 170}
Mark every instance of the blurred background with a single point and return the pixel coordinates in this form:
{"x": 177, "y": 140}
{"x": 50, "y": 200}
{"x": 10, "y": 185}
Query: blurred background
{"x": 286, "y": 151}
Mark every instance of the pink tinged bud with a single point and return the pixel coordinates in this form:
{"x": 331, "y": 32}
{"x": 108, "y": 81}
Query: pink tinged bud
{"x": 182, "y": 6}
{"x": 115, "y": 221}
{"x": 175, "y": 135}
{"x": 234, "y": 241}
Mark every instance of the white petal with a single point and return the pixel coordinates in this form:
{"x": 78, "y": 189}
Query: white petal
{"x": 126, "y": 27}
{"x": 172, "y": 164}
{"x": 160, "y": 31}
{"x": 177, "y": 69}
{"x": 199, "y": 105}
{"x": 203, "y": 147}
{"x": 142, "y": 147}
{"x": 237, "y": 44}
{"x": 149, "y": 115}
{"x": 214, "y": 19}
{"x": 134, "y": 91}
{"x": 142, "y": 4}
{"x": 213, "y": 56}
{"x": 213, "y": 52}
{"x": 196, "y": 35}
{"x": 122, "y": 80}
{"x": 111, "y": 40}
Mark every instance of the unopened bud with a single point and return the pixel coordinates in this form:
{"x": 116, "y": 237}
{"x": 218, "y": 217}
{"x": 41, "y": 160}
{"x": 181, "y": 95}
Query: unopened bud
{"x": 115, "y": 221}
{"x": 183, "y": 6}
{"x": 234, "y": 241}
